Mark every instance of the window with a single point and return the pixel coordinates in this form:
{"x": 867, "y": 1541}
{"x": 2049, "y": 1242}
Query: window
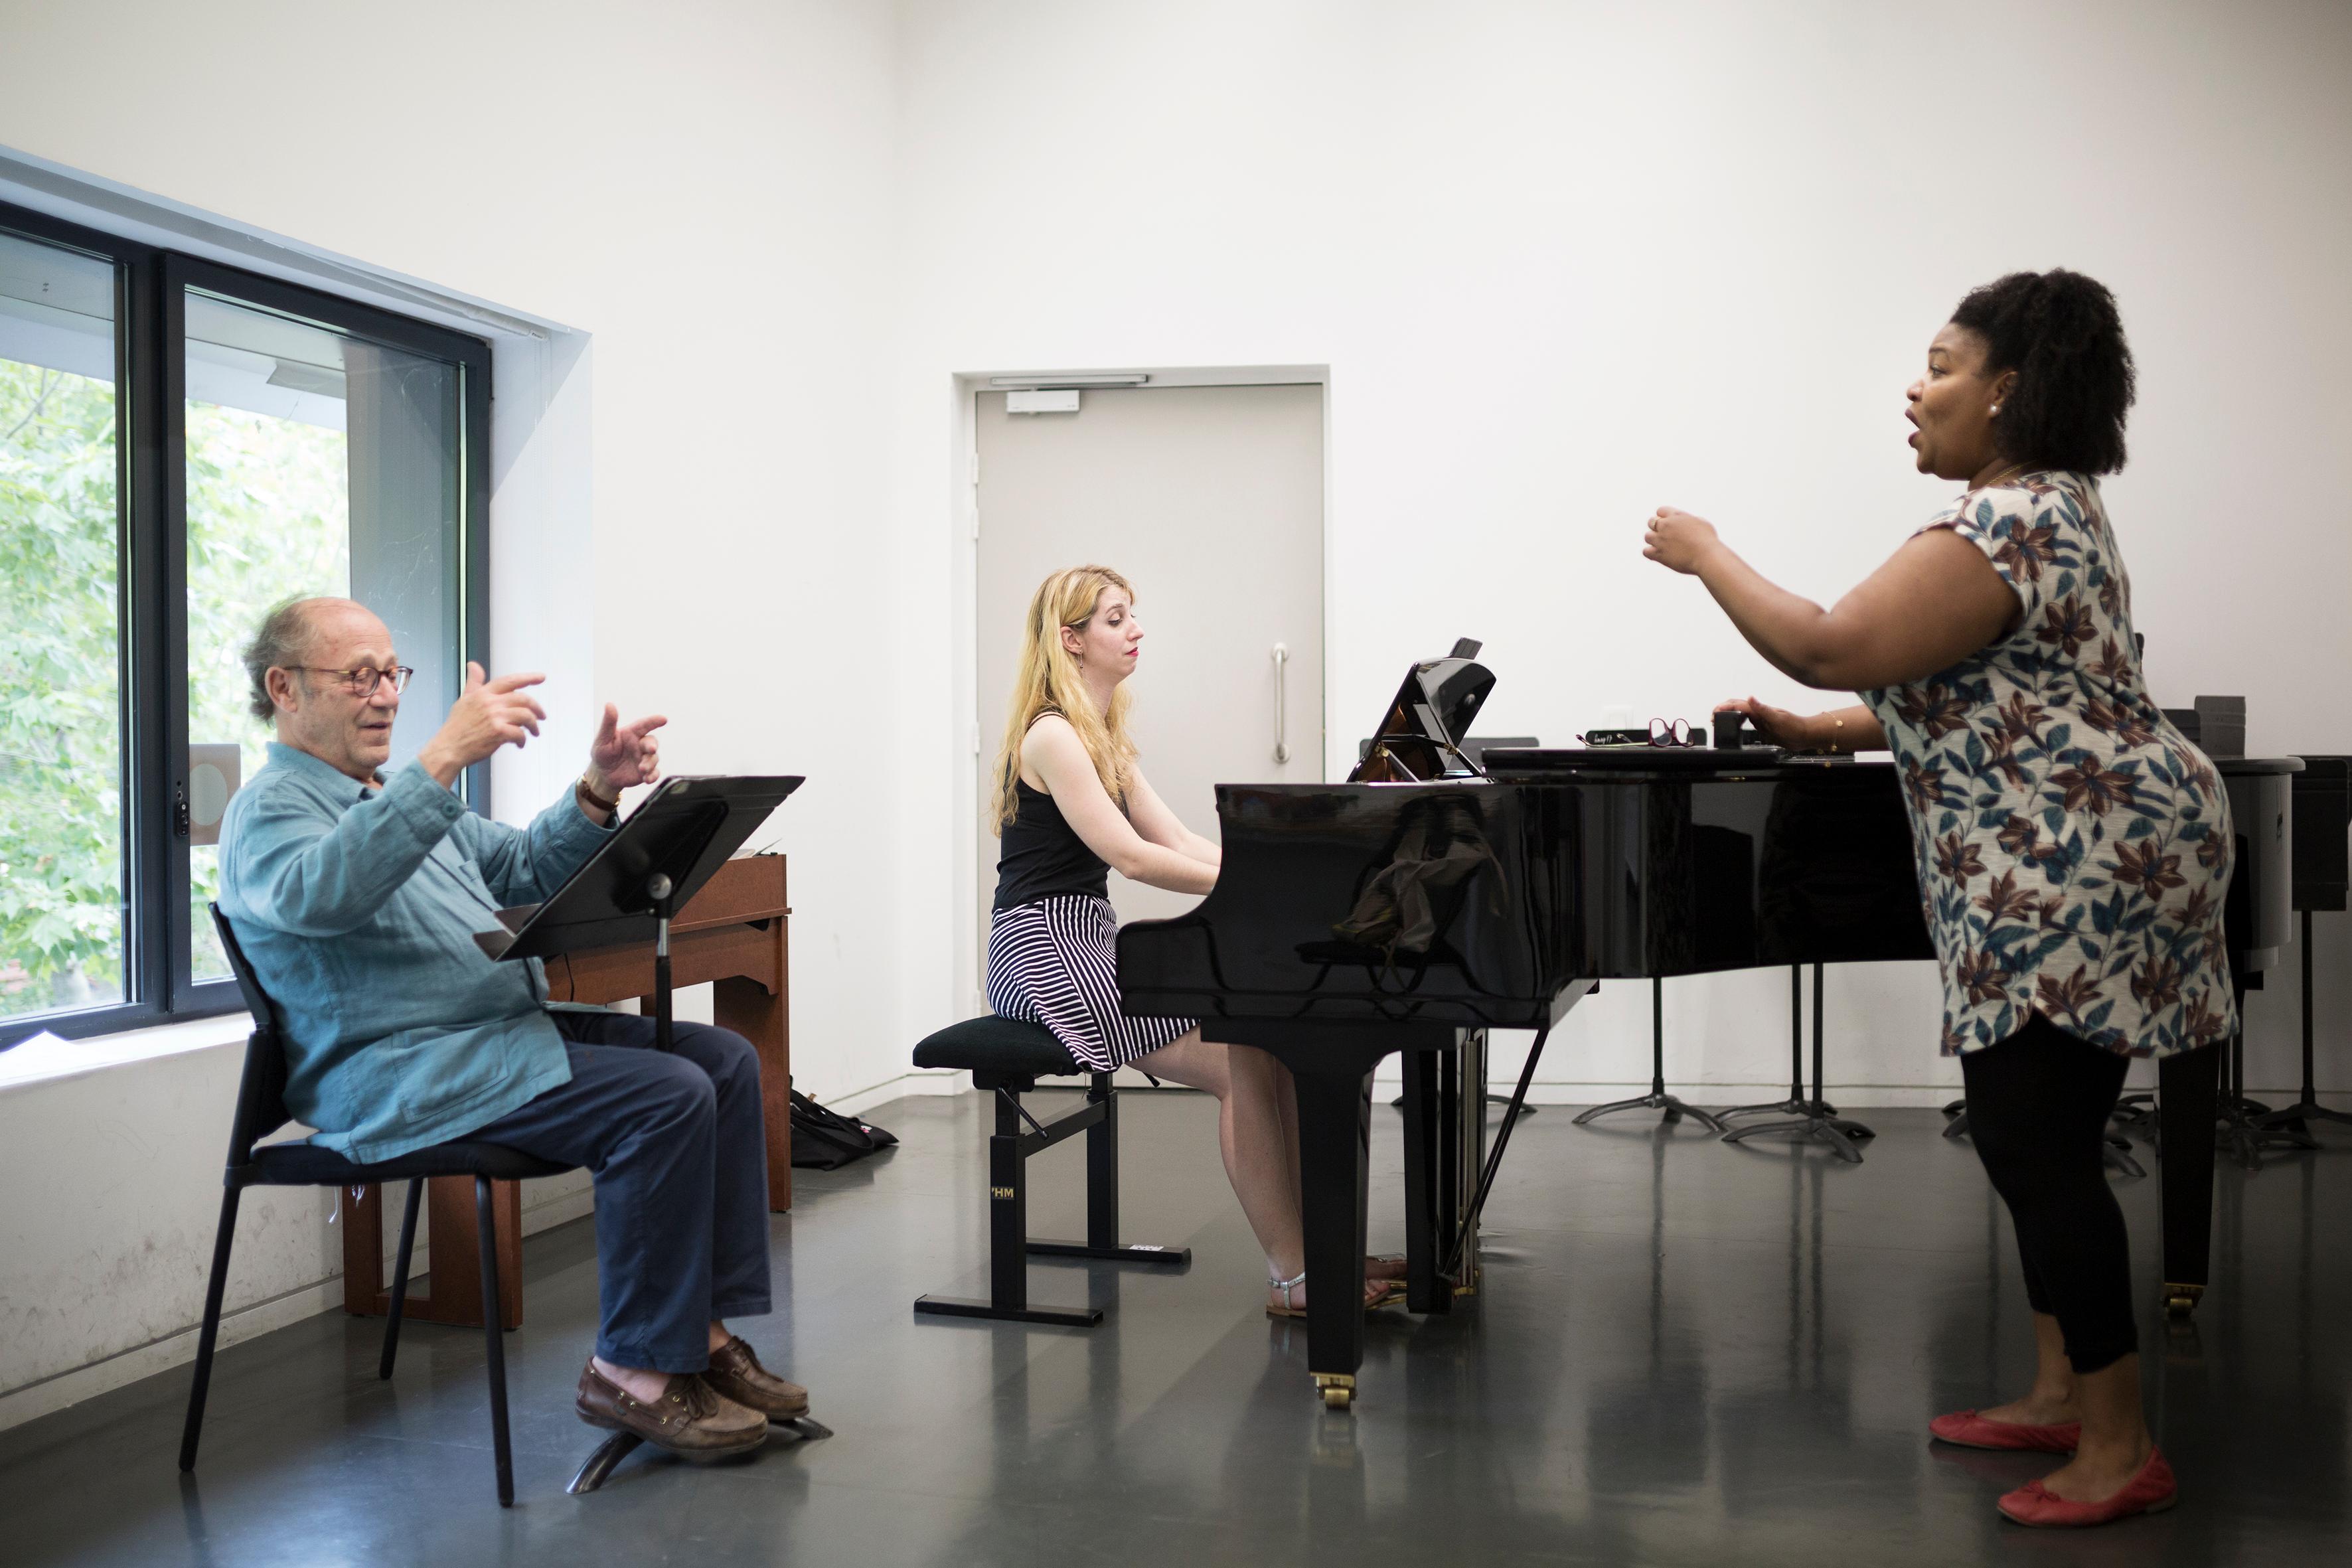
{"x": 181, "y": 447}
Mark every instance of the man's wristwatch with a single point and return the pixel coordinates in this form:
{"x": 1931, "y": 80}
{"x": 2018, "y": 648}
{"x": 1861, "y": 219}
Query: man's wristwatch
{"x": 588, "y": 797}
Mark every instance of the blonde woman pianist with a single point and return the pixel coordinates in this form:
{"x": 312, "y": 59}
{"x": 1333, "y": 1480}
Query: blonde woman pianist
{"x": 1072, "y": 805}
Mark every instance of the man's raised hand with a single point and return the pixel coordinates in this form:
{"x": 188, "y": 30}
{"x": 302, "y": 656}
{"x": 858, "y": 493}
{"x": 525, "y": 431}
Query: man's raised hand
{"x": 489, "y": 714}
{"x": 622, "y": 756}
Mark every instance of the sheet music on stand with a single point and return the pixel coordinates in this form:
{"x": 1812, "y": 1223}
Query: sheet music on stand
{"x": 664, "y": 852}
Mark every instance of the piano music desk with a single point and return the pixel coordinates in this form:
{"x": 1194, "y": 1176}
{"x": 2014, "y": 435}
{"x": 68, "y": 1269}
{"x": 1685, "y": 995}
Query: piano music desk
{"x": 732, "y": 935}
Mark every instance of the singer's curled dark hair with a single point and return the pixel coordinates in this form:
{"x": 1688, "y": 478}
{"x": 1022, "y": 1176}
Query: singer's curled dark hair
{"x": 2059, "y": 333}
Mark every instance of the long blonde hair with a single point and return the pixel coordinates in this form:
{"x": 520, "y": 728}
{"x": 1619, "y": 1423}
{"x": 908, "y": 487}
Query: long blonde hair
{"x": 1048, "y": 682}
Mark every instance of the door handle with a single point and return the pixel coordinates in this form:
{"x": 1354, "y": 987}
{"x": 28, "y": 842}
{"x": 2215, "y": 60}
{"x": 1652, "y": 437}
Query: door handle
{"x": 1281, "y": 689}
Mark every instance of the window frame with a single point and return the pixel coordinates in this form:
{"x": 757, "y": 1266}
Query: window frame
{"x": 151, "y": 589}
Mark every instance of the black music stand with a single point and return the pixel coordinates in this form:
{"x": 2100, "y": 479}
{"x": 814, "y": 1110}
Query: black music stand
{"x": 1657, "y": 1099}
{"x": 2293, "y": 1122}
{"x": 1819, "y": 1118}
{"x": 666, "y": 850}
{"x": 1796, "y": 1104}
{"x": 2323, "y": 816}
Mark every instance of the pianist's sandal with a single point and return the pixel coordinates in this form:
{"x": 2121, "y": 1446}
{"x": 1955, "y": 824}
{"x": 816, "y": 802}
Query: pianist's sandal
{"x": 1384, "y": 1266}
{"x": 1377, "y": 1293}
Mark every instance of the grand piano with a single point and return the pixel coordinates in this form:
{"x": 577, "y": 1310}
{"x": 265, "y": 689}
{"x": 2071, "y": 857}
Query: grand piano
{"x": 1433, "y": 897}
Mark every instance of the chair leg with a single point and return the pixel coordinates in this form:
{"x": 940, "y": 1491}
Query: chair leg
{"x": 491, "y": 1331}
{"x": 400, "y": 1279}
{"x": 209, "y": 1335}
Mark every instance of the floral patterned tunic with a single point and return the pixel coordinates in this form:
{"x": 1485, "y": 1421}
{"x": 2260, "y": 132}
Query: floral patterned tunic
{"x": 2074, "y": 848}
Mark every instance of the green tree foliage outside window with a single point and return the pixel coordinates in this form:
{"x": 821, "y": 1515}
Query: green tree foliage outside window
{"x": 267, "y": 516}
{"x": 61, "y": 916}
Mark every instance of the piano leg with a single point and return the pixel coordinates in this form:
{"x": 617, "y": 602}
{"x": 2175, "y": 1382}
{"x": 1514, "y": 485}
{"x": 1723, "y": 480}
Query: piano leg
{"x": 1430, "y": 1132}
{"x": 1458, "y": 1181}
{"x": 2188, "y": 1107}
{"x": 1332, "y": 1078}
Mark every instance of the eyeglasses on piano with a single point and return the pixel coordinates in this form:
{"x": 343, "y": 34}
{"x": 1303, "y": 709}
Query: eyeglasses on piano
{"x": 1673, "y": 733}
{"x": 1661, "y": 732}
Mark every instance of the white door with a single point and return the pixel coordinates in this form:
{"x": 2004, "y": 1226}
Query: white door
{"x": 1209, "y": 500}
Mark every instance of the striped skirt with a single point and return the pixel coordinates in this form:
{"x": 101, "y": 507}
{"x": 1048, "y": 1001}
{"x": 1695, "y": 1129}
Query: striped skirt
{"x": 1055, "y": 962}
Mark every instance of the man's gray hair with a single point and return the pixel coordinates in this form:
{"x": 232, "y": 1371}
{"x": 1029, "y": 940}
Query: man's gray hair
{"x": 280, "y": 644}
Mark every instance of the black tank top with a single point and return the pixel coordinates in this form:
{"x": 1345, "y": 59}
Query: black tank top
{"x": 1043, "y": 857}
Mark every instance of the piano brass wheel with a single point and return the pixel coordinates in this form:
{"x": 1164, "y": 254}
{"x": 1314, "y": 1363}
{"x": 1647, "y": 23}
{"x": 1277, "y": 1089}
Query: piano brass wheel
{"x": 2179, "y": 1301}
{"x": 1338, "y": 1389}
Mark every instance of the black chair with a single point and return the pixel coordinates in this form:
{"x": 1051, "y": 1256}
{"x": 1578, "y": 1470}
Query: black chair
{"x": 261, "y": 1110}
{"x": 1007, "y": 1058}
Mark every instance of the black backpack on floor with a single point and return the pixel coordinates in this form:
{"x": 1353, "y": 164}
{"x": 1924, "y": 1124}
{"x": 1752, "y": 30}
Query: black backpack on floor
{"x": 826, "y": 1140}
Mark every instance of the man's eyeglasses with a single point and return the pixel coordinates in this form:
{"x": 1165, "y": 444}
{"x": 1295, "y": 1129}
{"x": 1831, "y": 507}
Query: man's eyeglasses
{"x": 363, "y": 682}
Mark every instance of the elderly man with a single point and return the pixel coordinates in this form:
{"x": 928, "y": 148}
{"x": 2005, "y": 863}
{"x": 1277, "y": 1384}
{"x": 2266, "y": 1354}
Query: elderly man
{"x": 356, "y": 896}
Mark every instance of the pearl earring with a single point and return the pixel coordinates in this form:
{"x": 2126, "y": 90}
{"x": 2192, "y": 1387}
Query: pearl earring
{"x": 1996, "y": 408}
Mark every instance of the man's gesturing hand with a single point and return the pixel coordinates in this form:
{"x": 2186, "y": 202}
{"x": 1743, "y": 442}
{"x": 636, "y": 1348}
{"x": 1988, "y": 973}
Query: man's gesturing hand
{"x": 491, "y": 713}
{"x": 624, "y": 756}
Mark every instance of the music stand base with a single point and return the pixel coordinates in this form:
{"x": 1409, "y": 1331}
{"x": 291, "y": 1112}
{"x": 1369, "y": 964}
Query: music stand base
{"x": 2295, "y": 1120}
{"x": 1675, "y": 1110}
{"x": 621, "y": 1445}
{"x": 1843, "y": 1137}
{"x": 1792, "y": 1106}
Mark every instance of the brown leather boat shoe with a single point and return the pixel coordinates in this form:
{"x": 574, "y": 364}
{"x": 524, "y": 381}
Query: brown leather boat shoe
{"x": 737, "y": 1375}
{"x": 691, "y": 1420}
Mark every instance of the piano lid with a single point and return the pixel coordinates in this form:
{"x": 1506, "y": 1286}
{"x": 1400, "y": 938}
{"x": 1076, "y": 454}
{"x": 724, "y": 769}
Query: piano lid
{"x": 1420, "y": 739}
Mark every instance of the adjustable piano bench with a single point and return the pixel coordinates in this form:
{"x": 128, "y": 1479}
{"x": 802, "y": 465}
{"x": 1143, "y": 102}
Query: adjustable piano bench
{"x": 1007, "y": 1058}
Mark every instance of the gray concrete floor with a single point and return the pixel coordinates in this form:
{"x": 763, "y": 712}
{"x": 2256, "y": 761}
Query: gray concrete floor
{"x": 1684, "y": 1352}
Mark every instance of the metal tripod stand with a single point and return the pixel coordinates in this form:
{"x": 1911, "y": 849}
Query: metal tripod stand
{"x": 1814, "y": 1118}
{"x": 1796, "y": 1104}
{"x": 2293, "y": 1122}
{"x": 1657, "y": 1099}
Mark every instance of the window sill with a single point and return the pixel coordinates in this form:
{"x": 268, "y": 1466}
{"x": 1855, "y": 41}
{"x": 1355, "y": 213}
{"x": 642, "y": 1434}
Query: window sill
{"x": 53, "y": 1061}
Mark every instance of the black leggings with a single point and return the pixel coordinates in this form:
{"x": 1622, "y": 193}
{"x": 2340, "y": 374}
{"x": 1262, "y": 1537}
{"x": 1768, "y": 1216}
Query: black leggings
{"x": 2038, "y": 1108}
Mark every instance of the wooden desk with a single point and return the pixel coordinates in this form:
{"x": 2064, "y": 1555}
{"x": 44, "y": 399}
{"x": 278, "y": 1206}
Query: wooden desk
{"x": 732, "y": 935}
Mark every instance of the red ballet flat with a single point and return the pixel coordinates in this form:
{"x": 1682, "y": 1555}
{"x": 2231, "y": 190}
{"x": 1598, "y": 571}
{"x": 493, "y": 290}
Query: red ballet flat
{"x": 1969, "y": 1430}
{"x": 2150, "y": 1491}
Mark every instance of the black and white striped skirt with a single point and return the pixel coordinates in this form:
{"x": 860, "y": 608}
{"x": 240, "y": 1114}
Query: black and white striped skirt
{"x": 1055, "y": 962}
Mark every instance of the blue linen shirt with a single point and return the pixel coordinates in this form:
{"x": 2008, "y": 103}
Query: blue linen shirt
{"x": 357, "y": 908}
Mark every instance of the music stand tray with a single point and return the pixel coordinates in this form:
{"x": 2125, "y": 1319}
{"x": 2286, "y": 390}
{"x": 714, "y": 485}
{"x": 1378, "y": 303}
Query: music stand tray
{"x": 662, "y": 854}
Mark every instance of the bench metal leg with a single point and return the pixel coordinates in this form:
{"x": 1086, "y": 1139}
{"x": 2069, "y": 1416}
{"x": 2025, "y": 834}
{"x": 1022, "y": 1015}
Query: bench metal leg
{"x": 1102, "y": 1196}
{"x": 1008, "y": 1236}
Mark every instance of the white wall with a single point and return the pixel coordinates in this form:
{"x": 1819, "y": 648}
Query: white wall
{"x": 1568, "y": 261}
{"x": 703, "y": 190}
{"x": 1564, "y": 261}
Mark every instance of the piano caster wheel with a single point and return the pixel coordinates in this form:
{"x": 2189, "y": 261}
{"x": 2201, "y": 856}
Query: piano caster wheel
{"x": 2179, "y": 1301}
{"x": 1338, "y": 1389}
